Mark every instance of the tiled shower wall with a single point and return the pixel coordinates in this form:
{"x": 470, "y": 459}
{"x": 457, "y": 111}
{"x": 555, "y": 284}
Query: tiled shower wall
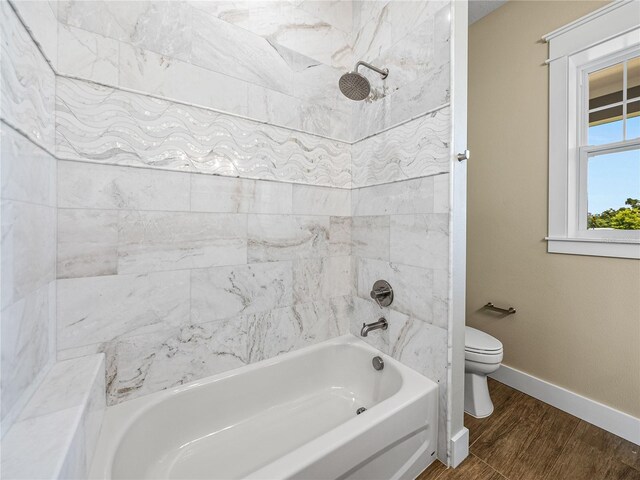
{"x": 400, "y": 233}
{"x": 276, "y": 61}
{"x": 400, "y": 197}
{"x": 28, "y": 198}
{"x": 177, "y": 276}
{"x": 176, "y": 273}
{"x": 411, "y": 39}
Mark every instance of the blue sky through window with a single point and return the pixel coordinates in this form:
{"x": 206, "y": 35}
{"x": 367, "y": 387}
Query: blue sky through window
{"x": 613, "y": 177}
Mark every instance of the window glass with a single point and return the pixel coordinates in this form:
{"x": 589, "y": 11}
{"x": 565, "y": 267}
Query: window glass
{"x": 614, "y": 111}
{"x": 633, "y": 120}
{"x": 633, "y": 92}
{"x": 605, "y": 126}
{"x": 613, "y": 190}
{"x": 633, "y": 78}
{"x": 605, "y": 86}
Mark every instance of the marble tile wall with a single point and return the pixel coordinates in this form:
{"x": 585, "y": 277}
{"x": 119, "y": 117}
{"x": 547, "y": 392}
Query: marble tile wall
{"x": 411, "y": 39}
{"x": 28, "y": 214}
{"x": 400, "y": 233}
{"x": 27, "y": 83}
{"x": 56, "y": 434}
{"x": 400, "y": 197}
{"x": 40, "y": 18}
{"x": 276, "y": 61}
{"x": 176, "y": 275}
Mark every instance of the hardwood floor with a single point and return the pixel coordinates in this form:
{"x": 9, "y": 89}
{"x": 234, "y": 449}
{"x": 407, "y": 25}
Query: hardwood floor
{"x": 526, "y": 439}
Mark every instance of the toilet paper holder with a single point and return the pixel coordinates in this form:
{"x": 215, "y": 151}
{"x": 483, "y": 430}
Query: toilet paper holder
{"x": 506, "y": 311}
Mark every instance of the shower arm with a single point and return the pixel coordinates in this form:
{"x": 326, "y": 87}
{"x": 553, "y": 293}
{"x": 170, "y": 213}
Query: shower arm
{"x": 383, "y": 73}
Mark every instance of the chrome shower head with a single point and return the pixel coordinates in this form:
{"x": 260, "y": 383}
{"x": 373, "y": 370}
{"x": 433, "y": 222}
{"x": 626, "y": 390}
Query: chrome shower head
{"x": 355, "y": 86}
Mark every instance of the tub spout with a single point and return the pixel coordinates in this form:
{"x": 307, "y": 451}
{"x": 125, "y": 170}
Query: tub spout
{"x": 381, "y": 324}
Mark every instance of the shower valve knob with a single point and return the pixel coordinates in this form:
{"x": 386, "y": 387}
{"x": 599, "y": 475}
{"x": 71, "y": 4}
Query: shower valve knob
{"x": 382, "y": 293}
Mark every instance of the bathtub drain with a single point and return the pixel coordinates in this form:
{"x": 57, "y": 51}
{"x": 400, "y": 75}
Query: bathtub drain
{"x": 360, "y": 410}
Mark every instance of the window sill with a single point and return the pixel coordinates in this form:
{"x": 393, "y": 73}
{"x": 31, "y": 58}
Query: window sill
{"x": 617, "y": 248}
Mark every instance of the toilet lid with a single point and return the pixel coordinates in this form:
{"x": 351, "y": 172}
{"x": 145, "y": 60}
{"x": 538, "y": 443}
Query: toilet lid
{"x": 477, "y": 341}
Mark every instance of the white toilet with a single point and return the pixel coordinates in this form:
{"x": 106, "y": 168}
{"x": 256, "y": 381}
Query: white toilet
{"x": 482, "y": 356}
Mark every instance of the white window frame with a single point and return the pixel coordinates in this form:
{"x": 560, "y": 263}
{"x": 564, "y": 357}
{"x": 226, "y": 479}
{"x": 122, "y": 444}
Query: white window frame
{"x": 585, "y": 150}
{"x": 605, "y": 37}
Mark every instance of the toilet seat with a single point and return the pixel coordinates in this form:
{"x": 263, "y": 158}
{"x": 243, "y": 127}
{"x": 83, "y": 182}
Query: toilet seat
{"x": 480, "y": 342}
{"x": 489, "y": 359}
{"x": 481, "y": 347}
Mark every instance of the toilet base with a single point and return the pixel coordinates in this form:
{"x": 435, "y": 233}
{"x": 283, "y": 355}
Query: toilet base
{"x": 477, "y": 401}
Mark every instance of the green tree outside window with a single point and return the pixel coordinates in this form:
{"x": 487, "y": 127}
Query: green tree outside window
{"x": 625, "y": 218}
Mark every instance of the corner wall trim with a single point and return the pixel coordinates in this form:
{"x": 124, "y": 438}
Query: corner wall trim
{"x": 598, "y": 414}
{"x": 459, "y": 447}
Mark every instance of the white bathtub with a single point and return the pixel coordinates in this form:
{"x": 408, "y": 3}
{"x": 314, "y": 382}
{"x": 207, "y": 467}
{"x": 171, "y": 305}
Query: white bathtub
{"x": 293, "y": 416}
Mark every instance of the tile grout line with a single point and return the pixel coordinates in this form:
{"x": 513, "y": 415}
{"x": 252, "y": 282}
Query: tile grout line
{"x": 474, "y": 442}
{"x": 484, "y": 432}
{"x": 490, "y": 466}
{"x": 32, "y": 37}
{"x": 563, "y": 448}
{"x": 441, "y": 473}
{"x": 197, "y": 212}
{"x": 224, "y": 212}
{"x": 25, "y": 136}
{"x": 56, "y": 246}
{"x": 168, "y": 171}
{"x": 154, "y": 168}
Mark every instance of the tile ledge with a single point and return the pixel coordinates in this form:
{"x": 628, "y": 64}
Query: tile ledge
{"x": 42, "y": 443}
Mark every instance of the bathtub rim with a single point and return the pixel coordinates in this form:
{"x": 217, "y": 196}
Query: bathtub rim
{"x": 413, "y": 386}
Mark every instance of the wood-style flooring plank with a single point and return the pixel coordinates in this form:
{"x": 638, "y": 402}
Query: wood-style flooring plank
{"x": 526, "y": 439}
{"x": 433, "y": 471}
{"x": 596, "y": 454}
{"x": 502, "y": 397}
{"x": 471, "y": 469}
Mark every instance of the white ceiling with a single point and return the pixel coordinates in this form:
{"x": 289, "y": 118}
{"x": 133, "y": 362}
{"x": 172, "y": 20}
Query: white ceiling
{"x": 481, "y": 8}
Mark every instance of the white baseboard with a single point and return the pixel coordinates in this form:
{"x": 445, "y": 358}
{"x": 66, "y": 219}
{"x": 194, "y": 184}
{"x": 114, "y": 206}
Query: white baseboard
{"x": 459, "y": 447}
{"x": 598, "y": 414}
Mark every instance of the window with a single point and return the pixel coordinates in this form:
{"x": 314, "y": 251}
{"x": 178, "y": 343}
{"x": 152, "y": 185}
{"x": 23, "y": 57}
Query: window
{"x": 610, "y": 152}
{"x": 594, "y": 134}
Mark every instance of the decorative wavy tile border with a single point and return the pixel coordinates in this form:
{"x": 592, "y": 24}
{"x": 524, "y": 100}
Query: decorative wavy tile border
{"x": 109, "y": 125}
{"x": 415, "y": 149}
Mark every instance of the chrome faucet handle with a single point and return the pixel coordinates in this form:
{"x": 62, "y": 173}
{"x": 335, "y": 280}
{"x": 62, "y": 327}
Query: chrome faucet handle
{"x": 382, "y": 293}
